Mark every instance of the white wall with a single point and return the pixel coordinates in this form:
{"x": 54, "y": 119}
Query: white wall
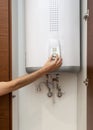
{"x": 36, "y": 111}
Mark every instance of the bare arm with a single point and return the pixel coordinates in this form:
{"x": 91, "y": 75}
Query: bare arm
{"x": 6, "y": 87}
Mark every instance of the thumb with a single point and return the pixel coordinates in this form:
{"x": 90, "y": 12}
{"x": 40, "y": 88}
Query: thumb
{"x": 50, "y": 58}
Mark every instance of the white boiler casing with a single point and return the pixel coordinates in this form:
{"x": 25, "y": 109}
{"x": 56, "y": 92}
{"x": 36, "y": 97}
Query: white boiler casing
{"x": 57, "y": 21}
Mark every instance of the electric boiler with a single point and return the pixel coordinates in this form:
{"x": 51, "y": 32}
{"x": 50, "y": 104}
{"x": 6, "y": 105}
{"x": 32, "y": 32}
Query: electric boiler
{"x": 52, "y": 27}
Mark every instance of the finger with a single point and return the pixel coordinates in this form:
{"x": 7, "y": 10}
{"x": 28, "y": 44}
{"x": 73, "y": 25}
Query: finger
{"x": 56, "y": 59}
{"x": 59, "y": 65}
{"x": 59, "y": 61}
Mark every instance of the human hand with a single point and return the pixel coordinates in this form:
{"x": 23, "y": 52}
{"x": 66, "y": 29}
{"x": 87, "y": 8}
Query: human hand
{"x": 52, "y": 65}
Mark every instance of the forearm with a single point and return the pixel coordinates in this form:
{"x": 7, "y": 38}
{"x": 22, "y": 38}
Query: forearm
{"x": 6, "y": 87}
{"x": 29, "y": 78}
{"x": 51, "y": 65}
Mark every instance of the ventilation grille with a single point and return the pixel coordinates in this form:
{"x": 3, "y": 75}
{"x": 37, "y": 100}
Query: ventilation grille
{"x": 54, "y": 13}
